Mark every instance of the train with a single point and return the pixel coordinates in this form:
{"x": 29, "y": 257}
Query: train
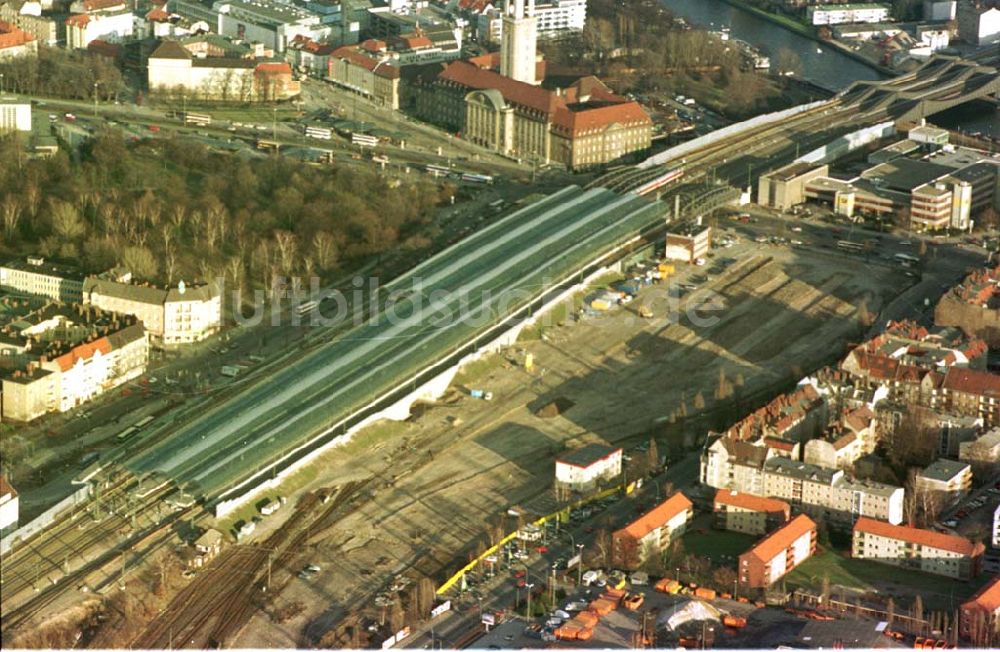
{"x": 660, "y": 181}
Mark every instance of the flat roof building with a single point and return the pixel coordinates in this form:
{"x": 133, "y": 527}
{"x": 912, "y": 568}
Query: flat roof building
{"x": 38, "y": 277}
{"x": 949, "y": 478}
{"x": 583, "y": 469}
{"x": 688, "y": 242}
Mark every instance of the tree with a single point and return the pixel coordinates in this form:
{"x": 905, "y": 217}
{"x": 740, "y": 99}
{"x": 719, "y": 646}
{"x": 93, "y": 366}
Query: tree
{"x": 66, "y": 222}
{"x": 652, "y": 456}
{"x": 918, "y": 609}
{"x": 699, "y": 402}
{"x": 890, "y": 610}
{"x": 787, "y": 62}
{"x": 914, "y": 441}
{"x": 724, "y": 578}
{"x": 824, "y": 591}
{"x": 140, "y": 261}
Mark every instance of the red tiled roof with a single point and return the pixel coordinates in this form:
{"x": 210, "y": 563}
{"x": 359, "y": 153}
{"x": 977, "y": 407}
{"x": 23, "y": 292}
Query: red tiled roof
{"x": 158, "y": 15}
{"x": 104, "y": 48}
{"x": 78, "y": 20}
{"x": 780, "y": 444}
{"x": 590, "y": 119}
{"x": 972, "y": 381}
{"x": 354, "y": 55}
{"x": 6, "y": 488}
{"x": 778, "y": 541}
{"x": 12, "y": 37}
{"x": 658, "y": 516}
{"x": 987, "y": 598}
{"x": 274, "y": 68}
{"x": 846, "y": 440}
{"x": 928, "y": 538}
{"x": 750, "y": 501}
{"x": 83, "y": 351}
{"x": 414, "y": 42}
{"x": 372, "y": 45}
{"x": 97, "y": 5}
{"x": 859, "y": 419}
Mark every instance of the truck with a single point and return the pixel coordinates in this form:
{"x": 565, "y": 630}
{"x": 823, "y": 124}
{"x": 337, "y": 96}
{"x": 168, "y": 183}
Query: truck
{"x": 230, "y": 371}
{"x": 480, "y": 394}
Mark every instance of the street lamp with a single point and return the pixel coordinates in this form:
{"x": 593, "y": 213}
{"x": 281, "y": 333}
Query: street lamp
{"x": 95, "y": 99}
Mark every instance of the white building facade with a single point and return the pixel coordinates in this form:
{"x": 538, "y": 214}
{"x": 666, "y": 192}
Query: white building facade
{"x": 849, "y": 13}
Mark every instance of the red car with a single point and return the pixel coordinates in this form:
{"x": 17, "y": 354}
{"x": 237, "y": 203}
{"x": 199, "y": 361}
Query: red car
{"x": 520, "y": 583}
{"x": 154, "y": 128}
{"x": 519, "y": 573}
{"x": 542, "y": 550}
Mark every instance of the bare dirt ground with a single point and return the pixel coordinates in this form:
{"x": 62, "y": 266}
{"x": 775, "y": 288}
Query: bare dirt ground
{"x": 451, "y": 470}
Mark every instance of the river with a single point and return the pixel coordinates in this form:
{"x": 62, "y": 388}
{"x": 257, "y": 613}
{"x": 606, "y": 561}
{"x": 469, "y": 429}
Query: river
{"x": 821, "y": 65}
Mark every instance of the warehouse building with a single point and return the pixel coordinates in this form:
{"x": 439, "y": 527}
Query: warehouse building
{"x": 778, "y": 553}
{"x": 785, "y": 187}
{"x": 651, "y": 533}
{"x": 749, "y": 514}
{"x": 583, "y": 469}
{"x": 916, "y": 549}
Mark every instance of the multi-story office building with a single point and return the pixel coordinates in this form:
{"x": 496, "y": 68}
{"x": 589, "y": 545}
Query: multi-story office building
{"x": 37, "y": 277}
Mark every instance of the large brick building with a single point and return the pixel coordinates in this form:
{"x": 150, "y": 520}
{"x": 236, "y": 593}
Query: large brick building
{"x": 778, "y": 553}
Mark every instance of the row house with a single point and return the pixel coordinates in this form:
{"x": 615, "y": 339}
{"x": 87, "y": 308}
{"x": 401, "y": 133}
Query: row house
{"x": 778, "y": 553}
{"x": 652, "y": 533}
{"x": 916, "y": 549}
{"x": 749, "y": 514}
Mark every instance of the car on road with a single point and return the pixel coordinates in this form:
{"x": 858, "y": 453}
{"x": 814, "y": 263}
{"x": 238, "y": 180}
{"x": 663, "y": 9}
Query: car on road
{"x": 542, "y": 549}
{"x": 950, "y": 523}
{"x": 797, "y": 229}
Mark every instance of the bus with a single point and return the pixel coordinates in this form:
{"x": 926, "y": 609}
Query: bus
{"x": 853, "y": 247}
{"x": 363, "y": 140}
{"x": 319, "y": 132}
{"x": 477, "y": 178}
{"x": 268, "y": 145}
{"x": 437, "y": 170}
{"x": 126, "y": 434}
{"x": 906, "y": 258}
{"x": 143, "y": 422}
{"x": 200, "y": 119}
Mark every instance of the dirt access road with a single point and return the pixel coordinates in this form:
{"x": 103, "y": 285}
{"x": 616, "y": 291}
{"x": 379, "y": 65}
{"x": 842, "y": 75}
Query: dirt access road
{"x": 457, "y": 465}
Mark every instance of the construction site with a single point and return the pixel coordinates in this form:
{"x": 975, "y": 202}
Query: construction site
{"x": 414, "y": 499}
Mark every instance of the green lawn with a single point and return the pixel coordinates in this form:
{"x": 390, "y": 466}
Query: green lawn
{"x": 868, "y": 575}
{"x": 718, "y": 545}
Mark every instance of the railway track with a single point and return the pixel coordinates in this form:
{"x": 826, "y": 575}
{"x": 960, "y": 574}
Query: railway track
{"x": 213, "y": 609}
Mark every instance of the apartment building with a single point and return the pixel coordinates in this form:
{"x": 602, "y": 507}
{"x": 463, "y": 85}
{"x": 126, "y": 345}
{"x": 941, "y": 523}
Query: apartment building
{"x": 848, "y": 13}
{"x": 556, "y": 18}
{"x": 972, "y": 392}
{"x": 978, "y": 22}
{"x": 369, "y": 69}
{"x": 829, "y": 493}
{"x": 947, "y": 478}
{"x": 37, "y": 277}
{"x": 740, "y": 512}
{"x": 995, "y": 539}
{"x": 57, "y": 357}
{"x": 172, "y": 316}
{"x": 583, "y": 469}
{"x": 916, "y": 549}
{"x": 974, "y": 305}
{"x": 979, "y": 617}
{"x": 651, "y": 533}
{"x": 16, "y": 43}
{"x": 27, "y": 15}
{"x": 8, "y": 507}
{"x": 105, "y": 20}
{"x": 778, "y": 553}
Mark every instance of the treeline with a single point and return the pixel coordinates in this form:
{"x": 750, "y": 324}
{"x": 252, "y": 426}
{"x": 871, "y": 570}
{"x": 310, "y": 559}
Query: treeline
{"x": 171, "y": 210}
{"x": 63, "y": 73}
